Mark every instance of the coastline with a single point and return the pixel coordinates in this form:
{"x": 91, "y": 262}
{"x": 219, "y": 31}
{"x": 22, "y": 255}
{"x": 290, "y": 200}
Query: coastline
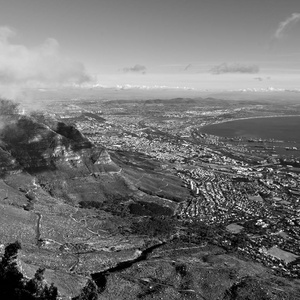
{"x": 280, "y": 131}
{"x": 248, "y": 118}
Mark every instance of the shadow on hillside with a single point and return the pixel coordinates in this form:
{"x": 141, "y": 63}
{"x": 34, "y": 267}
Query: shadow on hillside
{"x": 29, "y": 143}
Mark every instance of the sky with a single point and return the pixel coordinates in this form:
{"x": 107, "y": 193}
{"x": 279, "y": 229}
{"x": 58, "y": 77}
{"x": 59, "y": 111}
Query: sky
{"x": 192, "y": 44}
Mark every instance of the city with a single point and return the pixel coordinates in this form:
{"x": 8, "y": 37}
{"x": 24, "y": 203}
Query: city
{"x": 239, "y": 184}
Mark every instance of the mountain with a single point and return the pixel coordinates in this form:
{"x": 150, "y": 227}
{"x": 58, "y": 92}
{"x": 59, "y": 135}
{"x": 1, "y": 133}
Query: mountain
{"x": 49, "y": 171}
{"x": 101, "y": 222}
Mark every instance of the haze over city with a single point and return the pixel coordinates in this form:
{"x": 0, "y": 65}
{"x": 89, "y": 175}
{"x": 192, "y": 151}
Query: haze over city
{"x": 231, "y": 44}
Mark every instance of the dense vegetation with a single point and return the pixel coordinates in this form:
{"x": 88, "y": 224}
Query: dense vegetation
{"x": 89, "y": 292}
{"x": 162, "y": 227}
{"x": 149, "y": 209}
{"x": 114, "y": 204}
{"x": 13, "y": 285}
{"x": 247, "y": 289}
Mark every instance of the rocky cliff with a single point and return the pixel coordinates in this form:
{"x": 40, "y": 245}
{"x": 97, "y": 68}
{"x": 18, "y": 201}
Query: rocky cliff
{"x": 36, "y": 147}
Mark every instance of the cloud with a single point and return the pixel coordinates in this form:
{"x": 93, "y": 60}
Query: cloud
{"x": 135, "y": 69}
{"x": 187, "y": 67}
{"x": 262, "y": 79}
{"x": 43, "y": 65}
{"x": 286, "y": 25}
{"x": 152, "y": 87}
{"x": 5, "y": 33}
{"x": 234, "y": 68}
{"x": 258, "y": 78}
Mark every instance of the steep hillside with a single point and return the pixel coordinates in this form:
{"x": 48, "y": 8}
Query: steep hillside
{"x": 48, "y": 171}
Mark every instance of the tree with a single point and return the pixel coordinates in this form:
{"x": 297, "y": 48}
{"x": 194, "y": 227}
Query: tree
{"x": 11, "y": 279}
{"x": 89, "y": 292}
{"x": 14, "y": 286}
{"x": 247, "y": 289}
{"x": 154, "y": 227}
{"x": 38, "y": 287}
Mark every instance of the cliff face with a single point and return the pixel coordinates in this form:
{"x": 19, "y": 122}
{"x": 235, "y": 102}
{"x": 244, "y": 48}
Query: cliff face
{"x": 8, "y": 164}
{"x": 36, "y": 147}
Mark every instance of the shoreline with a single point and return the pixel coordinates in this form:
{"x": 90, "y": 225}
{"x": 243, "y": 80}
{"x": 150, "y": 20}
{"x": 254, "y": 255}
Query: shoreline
{"x": 249, "y": 118}
{"x": 230, "y": 130}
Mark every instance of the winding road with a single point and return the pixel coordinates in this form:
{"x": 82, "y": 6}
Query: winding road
{"x": 38, "y": 231}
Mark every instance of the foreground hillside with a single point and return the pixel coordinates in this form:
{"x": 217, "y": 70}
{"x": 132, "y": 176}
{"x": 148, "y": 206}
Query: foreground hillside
{"x": 101, "y": 223}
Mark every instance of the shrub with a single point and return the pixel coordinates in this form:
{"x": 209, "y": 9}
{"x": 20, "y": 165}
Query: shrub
{"x": 154, "y": 227}
{"x": 89, "y": 292}
{"x": 14, "y": 286}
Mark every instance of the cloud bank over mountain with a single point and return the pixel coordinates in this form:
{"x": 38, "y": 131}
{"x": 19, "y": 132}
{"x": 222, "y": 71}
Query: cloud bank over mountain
{"x": 234, "y": 68}
{"x": 42, "y": 65}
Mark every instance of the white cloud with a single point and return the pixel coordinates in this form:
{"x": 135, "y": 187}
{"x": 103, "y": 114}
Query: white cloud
{"x": 135, "y": 69}
{"x": 39, "y": 66}
{"x": 234, "y": 68}
{"x": 286, "y": 25}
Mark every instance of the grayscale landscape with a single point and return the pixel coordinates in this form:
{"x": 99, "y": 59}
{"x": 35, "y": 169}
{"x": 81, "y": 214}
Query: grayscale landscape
{"x": 150, "y": 150}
